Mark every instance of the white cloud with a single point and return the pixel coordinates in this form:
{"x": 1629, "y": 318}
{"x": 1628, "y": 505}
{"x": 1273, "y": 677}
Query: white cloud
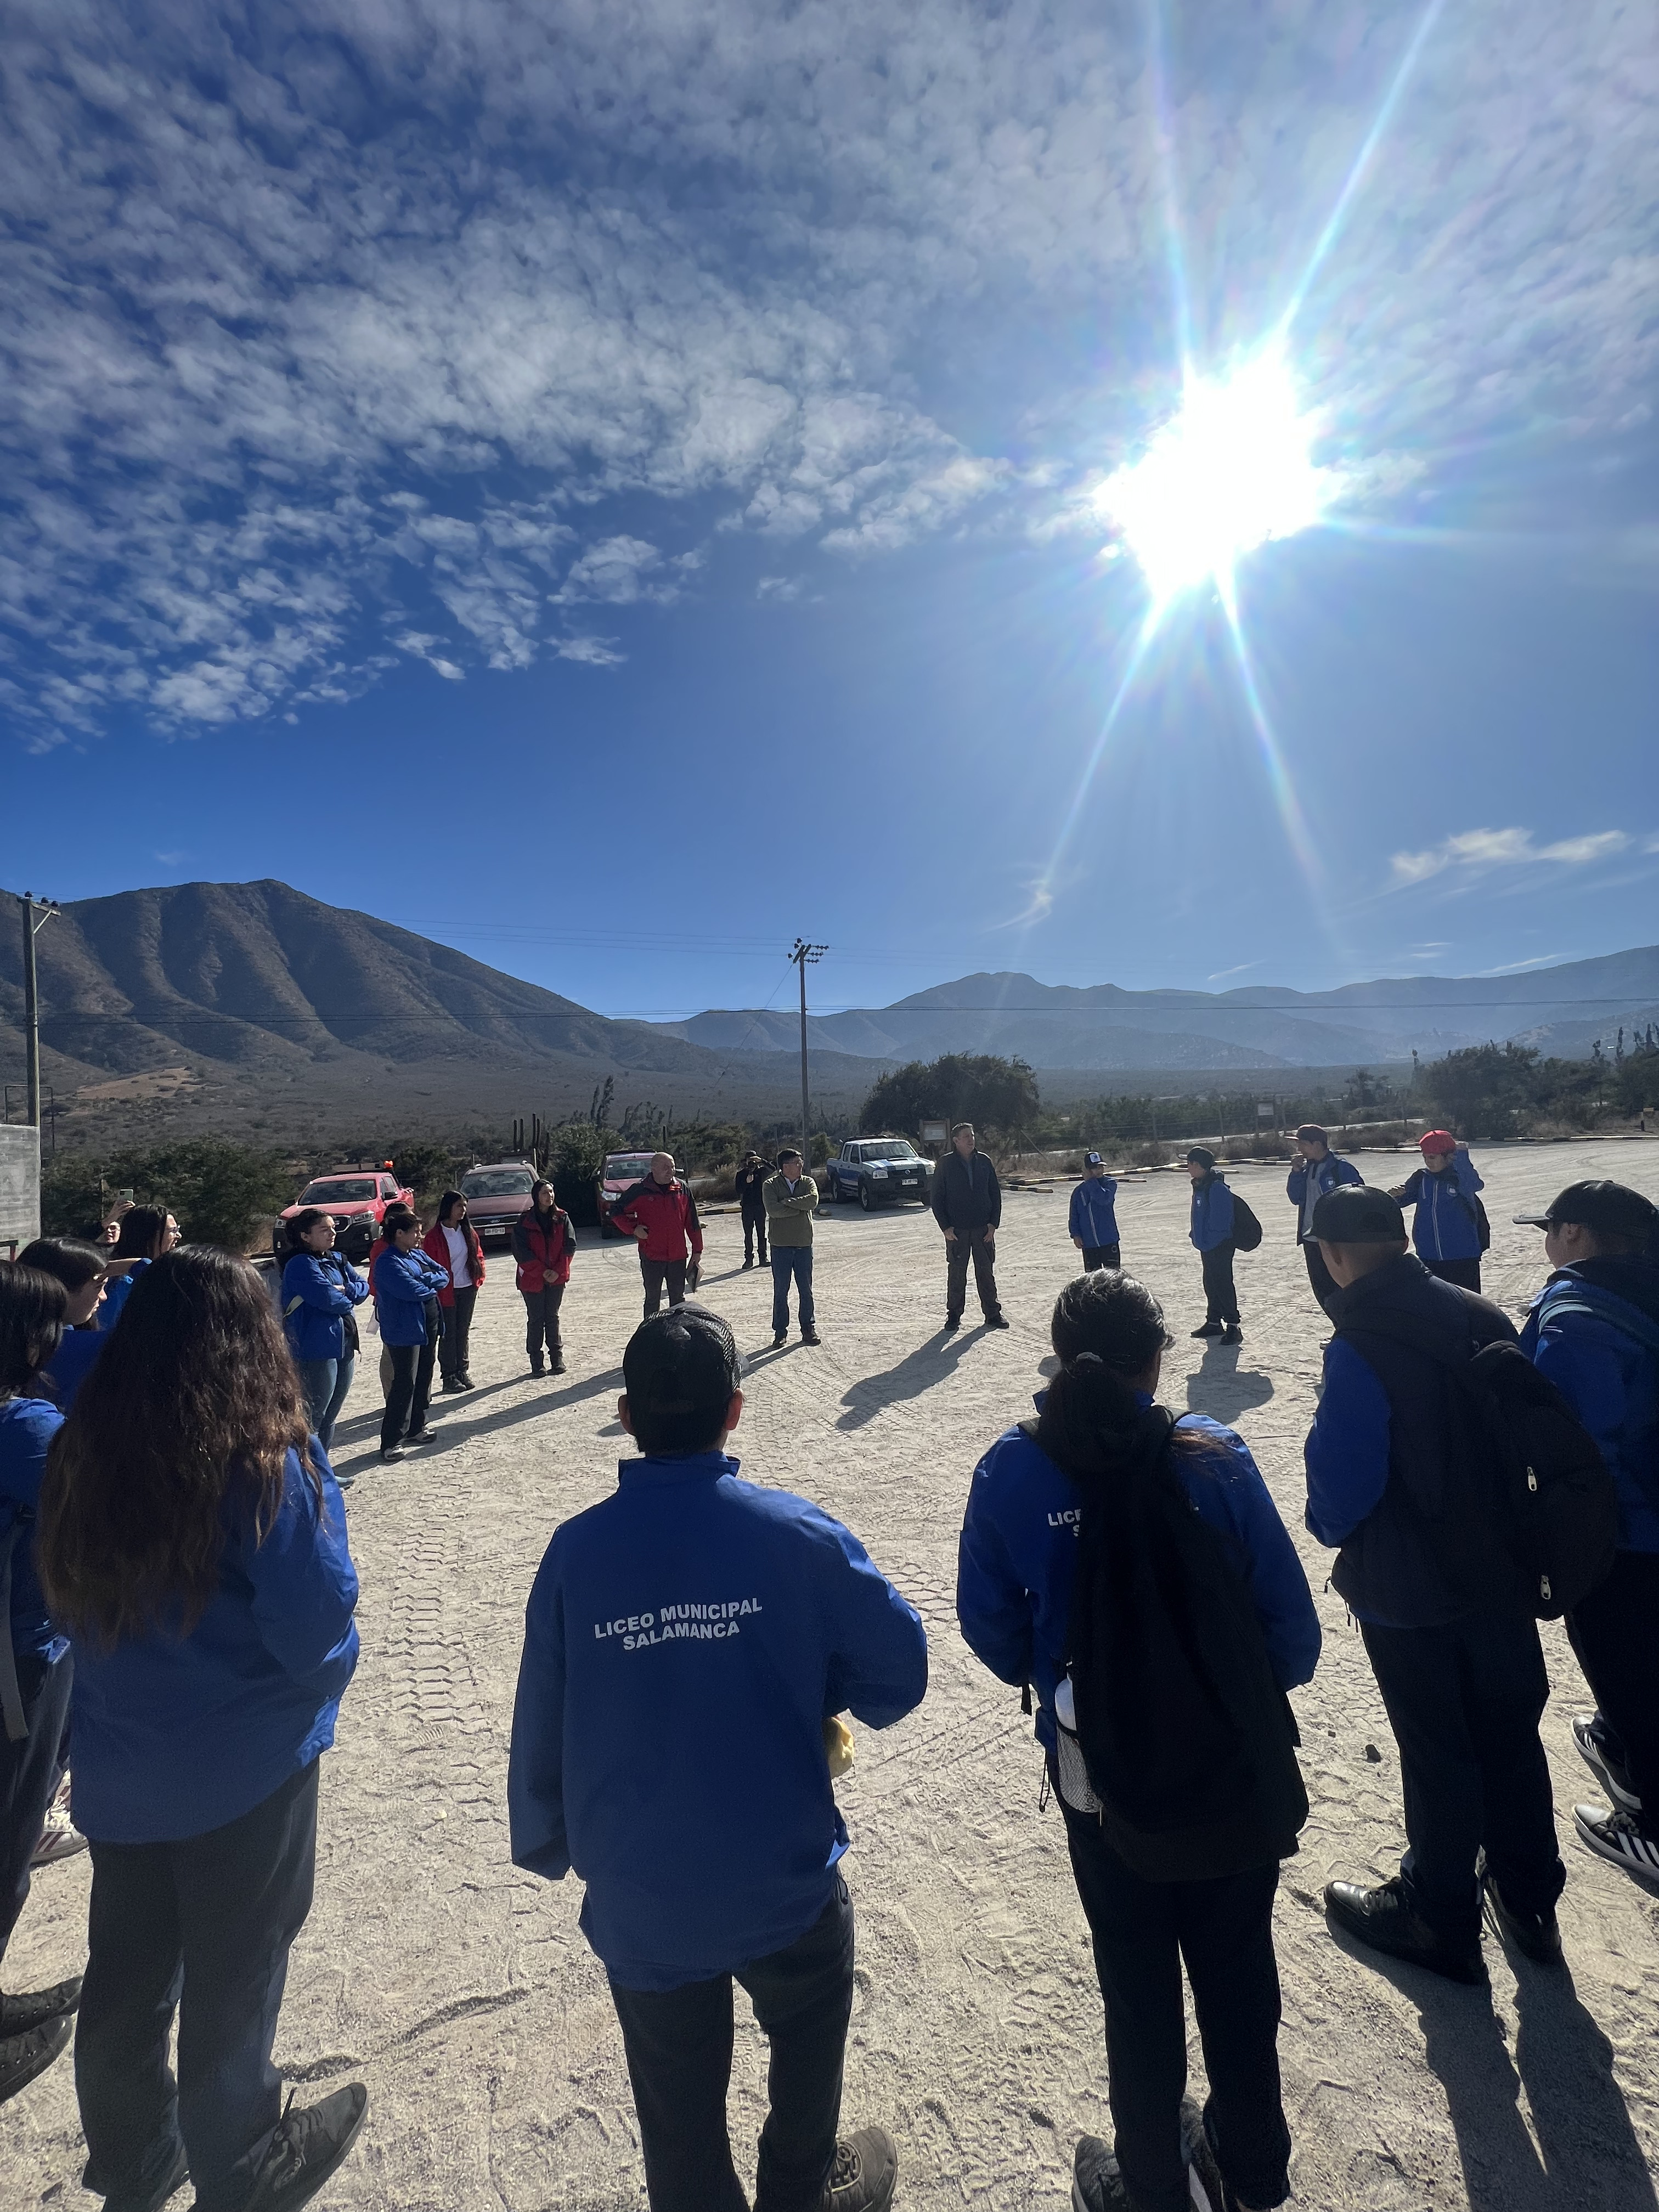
{"x": 1505, "y": 848}
{"x": 595, "y": 652}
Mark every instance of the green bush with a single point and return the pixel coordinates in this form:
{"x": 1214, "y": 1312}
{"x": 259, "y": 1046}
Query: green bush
{"x": 998, "y": 1095}
{"x": 220, "y": 1193}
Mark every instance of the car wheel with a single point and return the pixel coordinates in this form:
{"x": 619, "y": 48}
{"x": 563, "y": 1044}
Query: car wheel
{"x": 865, "y": 1200}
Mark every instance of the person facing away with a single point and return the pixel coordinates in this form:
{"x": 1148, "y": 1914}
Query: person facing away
{"x": 1093, "y": 1219}
{"x": 36, "y": 1671}
{"x": 1445, "y": 1222}
{"x": 1317, "y": 1169}
{"x": 751, "y": 1181}
{"x": 660, "y": 1213}
{"x": 320, "y": 1294}
{"x": 407, "y": 1283}
{"x": 192, "y": 1543}
{"x": 686, "y": 1643}
{"x": 1212, "y": 1234}
{"x": 1101, "y": 1449}
{"x": 1594, "y": 1331}
{"x": 791, "y": 1199}
{"x": 1394, "y": 1488}
{"x": 453, "y": 1242}
{"x": 79, "y": 1266}
{"x": 543, "y": 1242}
{"x": 967, "y": 1202}
{"x": 146, "y": 1231}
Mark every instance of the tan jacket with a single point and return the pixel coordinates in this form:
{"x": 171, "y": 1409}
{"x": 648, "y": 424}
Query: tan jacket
{"x": 789, "y": 1220}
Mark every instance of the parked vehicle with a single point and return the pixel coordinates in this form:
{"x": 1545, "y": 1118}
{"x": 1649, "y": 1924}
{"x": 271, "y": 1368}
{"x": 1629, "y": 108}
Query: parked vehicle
{"x": 496, "y": 1193}
{"x": 877, "y": 1171}
{"x": 617, "y": 1171}
{"x": 356, "y": 1197}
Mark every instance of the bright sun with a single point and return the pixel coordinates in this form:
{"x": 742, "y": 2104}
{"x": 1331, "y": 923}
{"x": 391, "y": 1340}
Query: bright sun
{"x": 1231, "y": 471}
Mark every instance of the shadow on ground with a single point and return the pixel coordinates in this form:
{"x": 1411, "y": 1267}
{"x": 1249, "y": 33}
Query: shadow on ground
{"x": 919, "y": 1370}
{"x": 1221, "y": 1388}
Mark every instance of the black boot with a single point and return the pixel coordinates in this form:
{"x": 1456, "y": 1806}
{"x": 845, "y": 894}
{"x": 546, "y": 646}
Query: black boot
{"x": 536, "y": 1366}
{"x": 558, "y": 1361}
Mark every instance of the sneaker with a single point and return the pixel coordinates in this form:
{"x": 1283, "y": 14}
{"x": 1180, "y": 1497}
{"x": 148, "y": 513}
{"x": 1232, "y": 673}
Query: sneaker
{"x": 466, "y": 1383}
{"x": 1385, "y": 1920}
{"x": 421, "y": 1437}
{"x": 451, "y": 1385}
{"x": 1232, "y": 1333}
{"x": 1610, "y": 1772}
{"x": 862, "y": 2177}
{"x": 23, "y": 2057}
{"x": 391, "y": 1458}
{"x": 810, "y": 1336}
{"x": 952, "y": 1323}
{"x": 342, "y": 1481}
{"x": 59, "y": 1839}
{"x": 557, "y": 1365}
{"x": 748, "y": 1263}
{"x": 19, "y": 2014}
{"x": 306, "y": 2150}
{"x": 1620, "y": 1836}
{"x": 778, "y": 1342}
{"x": 1210, "y": 1329}
{"x": 997, "y": 1321}
{"x": 1536, "y": 1935}
{"x": 1097, "y": 2183}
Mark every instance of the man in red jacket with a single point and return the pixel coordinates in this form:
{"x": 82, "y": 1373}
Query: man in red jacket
{"x": 661, "y": 1212}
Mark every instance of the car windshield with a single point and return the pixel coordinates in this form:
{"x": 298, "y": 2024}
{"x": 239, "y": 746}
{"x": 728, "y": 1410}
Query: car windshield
{"x": 892, "y": 1148}
{"x": 338, "y": 1190}
{"x": 497, "y": 1182}
{"x": 628, "y": 1167}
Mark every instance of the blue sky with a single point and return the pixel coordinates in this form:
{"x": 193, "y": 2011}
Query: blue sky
{"x": 614, "y": 486}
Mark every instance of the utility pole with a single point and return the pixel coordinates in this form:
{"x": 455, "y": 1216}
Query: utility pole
{"x": 804, "y": 956}
{"x": 48, "y": 909}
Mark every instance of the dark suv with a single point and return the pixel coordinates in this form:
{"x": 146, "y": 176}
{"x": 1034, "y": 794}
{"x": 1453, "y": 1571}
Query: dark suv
{"x": 878, "y": 1171}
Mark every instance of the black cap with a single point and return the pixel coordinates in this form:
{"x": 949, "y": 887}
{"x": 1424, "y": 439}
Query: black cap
{"x": 1203, "y": 1155}
{"x": 1358, "y": 1214}
{"x": 682, "y": 1361}
{"x": 1310, "y": 1132}
{"x": 1608, "y": 1209}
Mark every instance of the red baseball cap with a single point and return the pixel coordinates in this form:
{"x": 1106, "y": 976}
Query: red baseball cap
{"x": 1436, "y": 1140}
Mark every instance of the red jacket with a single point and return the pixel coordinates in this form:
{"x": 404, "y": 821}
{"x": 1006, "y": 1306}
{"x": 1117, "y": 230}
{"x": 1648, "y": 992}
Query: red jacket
{"x": 668, "y": 1215}
{"x": 541, "y": 1248}
{"x": 435, "y": 1243}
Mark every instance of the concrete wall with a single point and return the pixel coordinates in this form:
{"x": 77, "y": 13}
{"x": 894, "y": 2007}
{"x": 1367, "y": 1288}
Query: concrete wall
{"x": 20, "y": 1185}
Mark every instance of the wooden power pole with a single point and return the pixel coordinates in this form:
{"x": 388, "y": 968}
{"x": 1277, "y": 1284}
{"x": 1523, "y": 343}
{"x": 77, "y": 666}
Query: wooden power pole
{"x": 804, "y": 956}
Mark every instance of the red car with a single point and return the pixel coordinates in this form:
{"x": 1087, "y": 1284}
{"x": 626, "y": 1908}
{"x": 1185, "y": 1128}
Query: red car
{"x": 357, "y": 1198}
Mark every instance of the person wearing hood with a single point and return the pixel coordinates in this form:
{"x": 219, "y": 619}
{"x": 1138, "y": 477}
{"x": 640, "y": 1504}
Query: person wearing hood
{"x": 1093, "y": 1221}
{"x": 1317, "y": 1169}
{"x": 1212, "y": 1234}
{"x": 1447, "y": 1221}
{"x": 1594, "y": 1331}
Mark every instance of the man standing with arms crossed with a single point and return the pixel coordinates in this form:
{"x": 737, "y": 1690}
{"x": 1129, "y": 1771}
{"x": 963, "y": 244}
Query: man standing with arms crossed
{"x": 662, "y": 1214}
{"x": 968, "y": 1207}
{"x": 791, "y": 1199}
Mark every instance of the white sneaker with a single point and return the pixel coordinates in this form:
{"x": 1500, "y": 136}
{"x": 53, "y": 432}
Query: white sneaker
{"x": 1619, "y": 1837}
{"x": 59, "y": 1839}
{"x": 1614, "y": 1779}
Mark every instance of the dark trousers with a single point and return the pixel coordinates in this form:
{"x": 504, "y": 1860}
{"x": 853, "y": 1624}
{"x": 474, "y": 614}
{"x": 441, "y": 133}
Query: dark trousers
{"x": 792, "y": 1263}
{"x": 1464, "y": 1702}
{"x": 1223, "y": 1931}
{"x": 678, "y": 2044}
{"x": 411, "y": 1388}
{"x": 1466, "y": 1273}
{"x": 1220, "y": 1298}
{"x": 1616, "y": 1633}
{"x": 29, "y": 1773}
{"x": 657, "y": 1274}
{"x": 1320, "y": 1280}
{"x": 754, "y": 1234}
{"x": 970, "y": 1244}
{"x": 541, "y": 1318}
{"x": 205, "y": 1926}
{"x": 1102, "y": 1255}
{"x": 455, "y": 1345}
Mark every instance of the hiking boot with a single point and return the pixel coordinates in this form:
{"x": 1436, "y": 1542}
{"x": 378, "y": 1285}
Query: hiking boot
{"x": 20, "y": 2013}
{"x": 557, "y": 1366}
{"x": 952, "y": 1323}
{"x": 1612, "y": 1773}
{"x": 60, "y": 1838}
{"x": 1210, "y": 1329}
{"x": 536, "y": 1366}
{"x": 1384, "y": 1919}
{"x": 1536, "y": 1935}
{"x": 862, "y": 2177}
{"x": 306, "y": 2150}
{"x": 748, "y": 1263}
{"x": 996, "y": 1320}
{"x": 23, "y": 2057}
{"x": 1096, "y": 2184}
{"x": 1620, "y": 1836}
{"x": 1232, "y": 1333}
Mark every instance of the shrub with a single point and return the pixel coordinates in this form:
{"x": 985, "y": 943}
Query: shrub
{"x": 220, "y": 1193}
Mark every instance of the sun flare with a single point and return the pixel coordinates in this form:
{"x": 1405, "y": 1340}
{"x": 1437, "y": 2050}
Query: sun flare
{"x": 1231, "y": 470}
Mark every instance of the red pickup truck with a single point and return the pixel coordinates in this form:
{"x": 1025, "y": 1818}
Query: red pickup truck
{"x": 357, "y": 1198}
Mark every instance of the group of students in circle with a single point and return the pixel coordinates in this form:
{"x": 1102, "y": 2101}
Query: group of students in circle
{"x": 181, "y": 1593}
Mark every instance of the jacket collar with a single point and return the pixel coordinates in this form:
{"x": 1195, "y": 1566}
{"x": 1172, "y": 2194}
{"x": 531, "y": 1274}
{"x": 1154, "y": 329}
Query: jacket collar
{"x": 1382, "y": 1283}
{"x": 1629, "y": 1277}
{"x": 651, "y": 1471}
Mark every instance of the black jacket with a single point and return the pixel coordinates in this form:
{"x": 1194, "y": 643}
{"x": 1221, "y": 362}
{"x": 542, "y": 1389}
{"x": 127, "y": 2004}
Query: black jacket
{"x": 750, "y": 1181}
{"x": 967, "y": 1196}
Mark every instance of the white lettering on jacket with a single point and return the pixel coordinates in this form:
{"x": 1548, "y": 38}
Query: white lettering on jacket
{"x": 695, "y": 1621}
{"x": 1067, "y": 1516}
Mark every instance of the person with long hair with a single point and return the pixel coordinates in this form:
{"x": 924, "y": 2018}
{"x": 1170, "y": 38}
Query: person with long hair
{"x": 406, "y": 1282}
{"x": 1132, "y": 1569}
{"x": 543, "y": 1242}
{"x": 193, "y": 1545}
{"x": 321, "y": 1291}
{"x": 145, "y": 1233}
{"x": 35, "y": 1669}
{"x": 453, "y": 1242}
{"x": 79, "y": 1266}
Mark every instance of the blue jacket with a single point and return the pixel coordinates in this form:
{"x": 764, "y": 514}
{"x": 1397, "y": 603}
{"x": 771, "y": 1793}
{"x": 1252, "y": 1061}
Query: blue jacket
{"x": 1328, "y": 1173}
{"x": 1016, "y": 1560}
{"x": 73, "y": 1361}
{"x": 685, "y": 1640}
{"x": 1610, "y": 1377}
{"x": 1094, "y": 1211}
{"x": 404, "y": 1283}
{"x": 27, "y": 1427}
{"x": 117, "y": 1290}
{"x": 175, "y": 1735}
{"x": 1444, "y": 1226}
{"x": 1212, "y": 1212}
{"x": 316, "y": 1292}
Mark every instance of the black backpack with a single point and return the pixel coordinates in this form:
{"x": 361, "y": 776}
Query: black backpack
{"x": 1189, "y": 1740}
{"x": 1543, "y": 1514}
{"x": 1247, "y": 1230}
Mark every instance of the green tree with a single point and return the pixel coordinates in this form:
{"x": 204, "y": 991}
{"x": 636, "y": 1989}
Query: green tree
{"x": 1481, "y": 1089}
{"x": 220, "y": 1193}
{"x": 999, "y": 1096}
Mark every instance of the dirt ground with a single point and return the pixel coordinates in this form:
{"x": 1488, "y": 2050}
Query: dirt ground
{"x": 461, "y": 1990}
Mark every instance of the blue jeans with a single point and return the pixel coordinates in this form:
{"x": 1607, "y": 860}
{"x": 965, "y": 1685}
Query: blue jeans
{"x": 326, "y": 1383}
{"x": 787, "y": 1260}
